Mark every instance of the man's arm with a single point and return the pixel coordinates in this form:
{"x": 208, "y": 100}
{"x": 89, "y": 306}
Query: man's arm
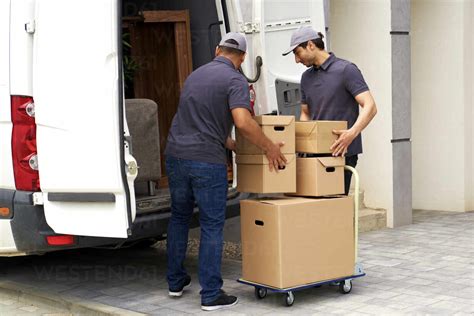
{"x": 250, "y": 130}
{"x": 369, "y": 109}
{"x": 304, "y": 116}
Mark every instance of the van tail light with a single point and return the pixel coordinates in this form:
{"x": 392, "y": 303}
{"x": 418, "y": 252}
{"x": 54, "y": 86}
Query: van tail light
{"x": 60, "y": 240}
{"x": 25, "y": 160}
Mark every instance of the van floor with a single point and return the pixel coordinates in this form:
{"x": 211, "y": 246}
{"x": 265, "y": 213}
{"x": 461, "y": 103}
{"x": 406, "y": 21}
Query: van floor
{"x": 161, "y": 201}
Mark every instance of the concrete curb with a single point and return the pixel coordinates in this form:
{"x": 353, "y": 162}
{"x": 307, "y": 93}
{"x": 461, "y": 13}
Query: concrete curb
{"x": 74, "y": 305}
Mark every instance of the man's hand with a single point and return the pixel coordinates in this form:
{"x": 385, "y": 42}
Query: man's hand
{"x": 250, "y": 130}
{"x": 230, "y": 144}
{"x": 275, "y": 158}
{"x": 305, "y": 115}
{"x": 346, "y": 137}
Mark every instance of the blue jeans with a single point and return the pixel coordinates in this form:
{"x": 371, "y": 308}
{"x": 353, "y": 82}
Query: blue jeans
{"x": 206, "y": 184}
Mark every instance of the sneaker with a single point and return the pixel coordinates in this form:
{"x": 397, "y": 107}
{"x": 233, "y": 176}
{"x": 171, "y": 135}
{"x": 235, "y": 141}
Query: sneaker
{"x": 179, "y": 291}
{"x": 222, "y": 301}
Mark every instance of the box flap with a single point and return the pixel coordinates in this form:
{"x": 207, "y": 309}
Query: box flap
{"x": 288, "y": 199}
{"x": 331, "y": 122}
{"x": 281, "y": 120}
{"x": 259, "y": 159}
{"x": 304, "y": 128}
{"x": 281, "y": 200}
{"x": 251, "y": 160}
{"x": 332, "y": 161}
{"x": 307, "y": 127}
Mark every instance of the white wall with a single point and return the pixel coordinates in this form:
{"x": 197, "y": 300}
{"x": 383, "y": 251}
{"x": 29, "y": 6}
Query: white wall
{"x": 469, "y": 103}
{"x": 360, "y": 32}
{"x": 441, "y": 38}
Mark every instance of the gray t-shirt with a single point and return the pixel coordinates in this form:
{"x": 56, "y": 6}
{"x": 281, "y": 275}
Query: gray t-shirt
{"x": 204, "y": 120}
{"x": 330, "y": 90}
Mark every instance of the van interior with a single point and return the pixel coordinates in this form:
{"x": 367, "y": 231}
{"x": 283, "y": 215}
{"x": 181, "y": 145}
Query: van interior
{"x": 163, "y": 42}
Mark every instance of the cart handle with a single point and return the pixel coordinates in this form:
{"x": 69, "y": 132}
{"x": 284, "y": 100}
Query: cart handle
{"x": 356, "y": 209}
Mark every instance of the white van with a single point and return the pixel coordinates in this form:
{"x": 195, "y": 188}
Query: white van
{"x": 68, "y": 173}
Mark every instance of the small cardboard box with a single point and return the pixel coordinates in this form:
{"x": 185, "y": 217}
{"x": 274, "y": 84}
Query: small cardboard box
{"x": 320, "y": 176}
{"x": 316, "y": 137}
{"x": 254, "y": 175}
{"x": 279, "y": 128}
{"x": 290, "y": 242}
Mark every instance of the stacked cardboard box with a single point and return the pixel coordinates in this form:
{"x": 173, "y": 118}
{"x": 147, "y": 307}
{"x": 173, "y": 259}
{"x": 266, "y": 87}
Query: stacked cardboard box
{"x": 253, "y": 172}
{"x": 322, "y": 175}
{"x": 290, "y": 242}
{"x": 293, "y": 241}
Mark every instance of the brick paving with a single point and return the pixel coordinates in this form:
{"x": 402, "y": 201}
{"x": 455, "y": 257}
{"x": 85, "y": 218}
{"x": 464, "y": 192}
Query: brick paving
{"x": 422, "y": 269}
{"x": 11, "y": 305}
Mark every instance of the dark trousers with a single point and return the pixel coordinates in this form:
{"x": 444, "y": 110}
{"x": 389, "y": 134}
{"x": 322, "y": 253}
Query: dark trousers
{"x": 350, "y": 161}
{"x": 206, "y": 184}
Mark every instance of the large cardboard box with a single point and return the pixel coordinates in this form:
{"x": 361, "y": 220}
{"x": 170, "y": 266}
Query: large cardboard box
{"x": 279, "y": 128}
{"x": 290, "y": 242}
{"x": 254, "y": 175}
{"x": 316, "y": 137}
{"x": 320, "y": 176}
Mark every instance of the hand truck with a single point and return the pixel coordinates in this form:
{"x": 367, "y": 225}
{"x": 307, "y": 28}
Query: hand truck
{"x": 344, "y": 283}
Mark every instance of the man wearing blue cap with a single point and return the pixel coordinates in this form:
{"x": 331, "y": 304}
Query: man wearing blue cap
{"x": 214, "y": 97}
{"x": 332, "y": 89}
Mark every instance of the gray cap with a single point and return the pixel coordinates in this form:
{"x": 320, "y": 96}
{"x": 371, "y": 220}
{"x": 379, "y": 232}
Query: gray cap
{"x": 301, "y": 35}
{"x": 237, "y": 37}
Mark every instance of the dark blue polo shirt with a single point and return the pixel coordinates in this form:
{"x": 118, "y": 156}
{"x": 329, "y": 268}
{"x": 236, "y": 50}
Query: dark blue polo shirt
{"x": 330, "y": 90}
{"x": 204, "y": 120}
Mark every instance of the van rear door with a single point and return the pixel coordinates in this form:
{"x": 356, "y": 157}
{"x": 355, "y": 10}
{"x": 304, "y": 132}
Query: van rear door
{"x": 268, "y": 26}
{"x": 86, "y": 173}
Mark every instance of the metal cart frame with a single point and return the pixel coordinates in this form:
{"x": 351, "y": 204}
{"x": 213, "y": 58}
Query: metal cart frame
{"x": 345, "y": 283}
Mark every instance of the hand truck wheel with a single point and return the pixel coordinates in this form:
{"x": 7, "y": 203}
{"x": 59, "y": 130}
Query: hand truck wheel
{"x": 260, "y": 292}
{"x": 345, "y": 287}
{"x": 289, "y": 298}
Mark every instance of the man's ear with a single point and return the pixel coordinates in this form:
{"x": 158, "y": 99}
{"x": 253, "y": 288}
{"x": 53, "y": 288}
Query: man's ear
{"x": 217, "y": 51}
{"x": 242, "y": 57}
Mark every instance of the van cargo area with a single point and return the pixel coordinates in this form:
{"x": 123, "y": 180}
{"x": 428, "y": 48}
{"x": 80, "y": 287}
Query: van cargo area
{"x": 163, "y": 41}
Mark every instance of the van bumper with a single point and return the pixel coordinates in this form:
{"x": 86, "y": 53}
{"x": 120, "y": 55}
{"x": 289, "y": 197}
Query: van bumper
{"x": 30, "y": 229}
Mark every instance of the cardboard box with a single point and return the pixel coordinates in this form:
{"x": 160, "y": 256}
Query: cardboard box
{"x": 279, "y": 128}
{"x": 316, "y": 137}
{"x": 320, "y": 176}
{"x": 254, "y": 175}
{"x": 290, "y": 242}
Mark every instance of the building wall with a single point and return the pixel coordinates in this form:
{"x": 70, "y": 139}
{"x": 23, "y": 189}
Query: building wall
{"x": 442, "y": 104}
{"x": 360, "y": 32}
{"x": 469, "y": 102}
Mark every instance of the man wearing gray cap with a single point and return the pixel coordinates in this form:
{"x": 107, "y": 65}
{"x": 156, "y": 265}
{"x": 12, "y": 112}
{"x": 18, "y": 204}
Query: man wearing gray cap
{"x": 332, "y": 89}
{"x": 214, "y": 97}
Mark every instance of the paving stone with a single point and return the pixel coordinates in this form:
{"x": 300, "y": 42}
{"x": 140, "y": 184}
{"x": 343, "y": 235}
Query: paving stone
{"x": 29, "y": 309}
{"x": 377, "y": 310}
{"x": 166, "y": 312}
{"x": 10, "y": 305}
{"x": 451, "y": 306}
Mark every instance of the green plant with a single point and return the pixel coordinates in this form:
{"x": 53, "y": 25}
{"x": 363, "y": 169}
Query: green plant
{"x": 130, "y": 66}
